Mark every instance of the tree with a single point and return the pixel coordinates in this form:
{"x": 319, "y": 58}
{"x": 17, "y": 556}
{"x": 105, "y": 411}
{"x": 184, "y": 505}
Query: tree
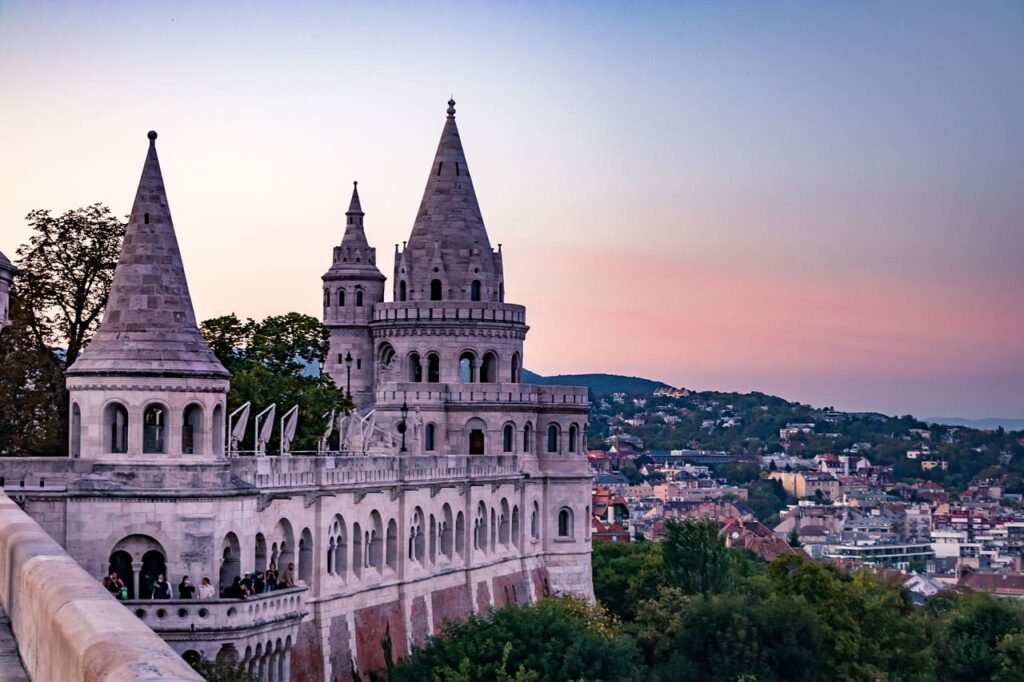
{"x": 66, "y": 271}
{"x": 221, "y": 670}
{"x": 626, "y": 574}
{"x": 559, "y": 638}
{"x": 268, "y": 363}
{"x": 974, "y": 630}
{"x": 794, "y": 539}
{"x": 696, "y": 559}
{"x": 32, "y": 421}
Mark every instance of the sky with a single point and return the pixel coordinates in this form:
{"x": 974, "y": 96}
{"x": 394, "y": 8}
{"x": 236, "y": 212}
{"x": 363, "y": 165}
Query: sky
{"x": 823, "y": 201}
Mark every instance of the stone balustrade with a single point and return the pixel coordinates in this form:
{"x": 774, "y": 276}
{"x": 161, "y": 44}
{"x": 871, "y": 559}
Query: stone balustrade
{"x": 423, "y": 394}
{"x": 342, "y": 470}
{"x": 240, "y": 616}
{"x": 451, "y": 311}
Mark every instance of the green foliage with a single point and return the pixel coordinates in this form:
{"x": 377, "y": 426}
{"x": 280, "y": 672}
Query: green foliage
{"x": 696, "y": 559}
{"x": 626, "y": 575}
{"x": 60, "y": 291}
{"x": 267, "y": 360}
{"x": 975, "y": 629}
{"x": 560, "y": 638}
{"x": 222, "y": 670}
{"x": 739, "y": 473}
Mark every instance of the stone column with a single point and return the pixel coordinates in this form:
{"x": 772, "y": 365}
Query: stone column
{"x": 284, "y": 673}
{"x": 136, "y": 570}
{"x": 272, "y": 667}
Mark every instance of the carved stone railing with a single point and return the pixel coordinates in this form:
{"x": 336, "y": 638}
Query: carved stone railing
{"x": 338, "y": 471}
{"x": 193, "y": 617}
{"x": 394, "y": 393}
{"x": 440, "y": 311}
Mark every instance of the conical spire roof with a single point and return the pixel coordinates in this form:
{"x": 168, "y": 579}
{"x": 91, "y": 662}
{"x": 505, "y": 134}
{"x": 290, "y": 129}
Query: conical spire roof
{"x": 355, "y": 256}
{"x": 449, "y": 214}
{"x": 149, "y": 326}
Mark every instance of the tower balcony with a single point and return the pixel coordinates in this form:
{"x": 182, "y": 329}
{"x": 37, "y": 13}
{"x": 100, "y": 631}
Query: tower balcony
{"x": 434, "y": 312}
{"x": 481, "y": 396}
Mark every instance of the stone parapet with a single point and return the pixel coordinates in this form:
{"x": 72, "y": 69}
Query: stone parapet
{"x": 480, "y": 396}
{"x": 449, "y": 311}
{"x": 68, "y": 628}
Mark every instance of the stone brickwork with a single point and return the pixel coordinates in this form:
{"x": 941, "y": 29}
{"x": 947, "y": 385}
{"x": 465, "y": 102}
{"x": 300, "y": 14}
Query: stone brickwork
{"x": 339, "y": 650}
{"x": 449, "y": 604}
{"x": 373, "y": 624}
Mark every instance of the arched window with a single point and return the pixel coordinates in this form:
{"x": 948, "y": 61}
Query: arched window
{"x": 476, "y": 434}
{"x": 515, "y": 368}
{"x": 341, "y": 297}
{"x": 488, "y": 368}
{"x": 403, "y": 291}
{"x": 572, "y": 438}
{"x": 508, "y": 435}
{"x": 386, "y": 355}
{"x": 415, "y": 368}
{"x": 504, "y": 523}
{"x": 115, "y": 416}
{"x": 467, "y": 368}
{"x": 446, "y": 530}
{"x": 192, "y": 430}
{"x": 553, "y": 438}
{"x": 391, "y": 550}
{"x": 340, "y": 546}
{"x": 480, "y": 528}
{"x": 306, "y": 556}
{"x": 565, "y": 525}
{"x": 358, "y": 559}
{"x": 327, "y": 298}
{"x": 429, "y": 435}
{"x": 217, "y": 431}
{"x": 359, "y": 298}
{"x": 515, "y": 525}
{"x": 527, "y": 434}
{"x": 76, "y": 429}
{"x": 433, "y": 368}
{"x": 435, "y": 290}
{"x": 154, "y": 423}
{"x": 460, "y": 534}
{"x": 474, "y": 290}
{"x": 535, "y": 521}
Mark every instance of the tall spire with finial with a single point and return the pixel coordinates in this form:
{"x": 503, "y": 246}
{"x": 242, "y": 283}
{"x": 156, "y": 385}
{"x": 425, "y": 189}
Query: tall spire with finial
{"x": 149, "y": 326}
{"x": 449, "y": 218}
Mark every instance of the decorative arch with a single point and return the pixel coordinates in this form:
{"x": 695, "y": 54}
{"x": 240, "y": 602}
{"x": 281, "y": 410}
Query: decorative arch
{"x": 489, "y": 368}
{"x": 115, "y": 427}
{"x": 445, "y": 530}
{"x": 504, "y": 523}
{"x": 417, "y": 539}
{"x": 192, "y": 429}
{"x": 231, "y": 560}
{"x": 515, "y": 526}
{"x": 566, "y": 527}
{"x": 339, "y": 535}
{"x": 480, "y": 527}
{"x": 535, "y": 521}
{"x": 76, "y": 431}
{"x": 217, "y": 432}
{"x": 415, "y": 367}
{"x": 508, "y": 437}
{"x": 433, "y": 368}
{"x": 375, "y": 543}
{"x": 553, "y": 437}
{"x": 155, "y": 422}
{"x": 391, "y": 550}
{"x": 476, "y": 436}
{"x": 467, "y": 367}
{"x": 305, "y": 567}
{"x": 460, "y": 534}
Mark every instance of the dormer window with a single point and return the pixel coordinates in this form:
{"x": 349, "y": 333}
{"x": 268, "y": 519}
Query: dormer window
{"x": 474, "y": 290}
{"x": 435, "y": 290}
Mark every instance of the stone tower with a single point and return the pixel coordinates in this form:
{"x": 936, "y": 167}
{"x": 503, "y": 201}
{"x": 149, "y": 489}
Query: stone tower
{"x": 352, "y": 287}
{"x": 7, "y": 272}
{"x": 148, "y": 387}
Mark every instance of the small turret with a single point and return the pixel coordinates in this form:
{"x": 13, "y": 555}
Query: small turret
{"x": 351, "y": 287}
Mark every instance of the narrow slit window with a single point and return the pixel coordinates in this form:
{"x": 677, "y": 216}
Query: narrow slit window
{"x": 440, "y": 165}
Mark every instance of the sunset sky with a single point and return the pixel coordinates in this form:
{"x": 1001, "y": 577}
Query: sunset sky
{"x": 823, "y": 201}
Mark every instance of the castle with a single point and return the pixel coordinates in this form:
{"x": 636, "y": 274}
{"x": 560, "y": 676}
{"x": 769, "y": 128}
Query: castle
{"x": 455, "y": 487}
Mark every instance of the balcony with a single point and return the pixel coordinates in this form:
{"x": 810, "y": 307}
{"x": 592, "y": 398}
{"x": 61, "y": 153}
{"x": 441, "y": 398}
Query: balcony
{"x": 541, "y": 397}
{"x": 351, "y": 470}
{"x": 446, "y": 312}
{"x": 216, "y": 619}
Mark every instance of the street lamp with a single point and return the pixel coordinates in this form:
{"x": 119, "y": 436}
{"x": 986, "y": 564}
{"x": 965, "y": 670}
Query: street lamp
{"x": 402, "y": 426}
{"x": 348, "y": 371}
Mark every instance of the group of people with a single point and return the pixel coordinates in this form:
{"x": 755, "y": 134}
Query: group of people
{"x": 252, "y": 584}
{"x": 161, "y": 589}
{"x": 249, "y": 585}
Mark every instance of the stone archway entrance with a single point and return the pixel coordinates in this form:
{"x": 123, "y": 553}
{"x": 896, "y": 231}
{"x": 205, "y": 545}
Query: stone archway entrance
{"x": 138, "y": 560}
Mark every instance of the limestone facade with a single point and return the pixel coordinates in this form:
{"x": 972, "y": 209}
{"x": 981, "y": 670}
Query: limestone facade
{"x": 487, "y": 504}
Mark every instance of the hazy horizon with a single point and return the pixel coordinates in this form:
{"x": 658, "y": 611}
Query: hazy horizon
{"x": 822, "y": 202}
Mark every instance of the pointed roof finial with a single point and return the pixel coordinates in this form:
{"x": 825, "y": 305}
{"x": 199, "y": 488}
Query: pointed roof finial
{"x": 354, "y": 207}
{"x": 151, "y": 135}
{"x": 451, "y": 107}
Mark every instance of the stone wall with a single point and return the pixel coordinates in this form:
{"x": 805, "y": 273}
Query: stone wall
{"x": 67, "y": 627}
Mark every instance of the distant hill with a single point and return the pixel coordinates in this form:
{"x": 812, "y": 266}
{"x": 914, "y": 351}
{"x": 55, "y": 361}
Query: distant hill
{"x": 599, "y": 384}
{"x": 990, "y": 424}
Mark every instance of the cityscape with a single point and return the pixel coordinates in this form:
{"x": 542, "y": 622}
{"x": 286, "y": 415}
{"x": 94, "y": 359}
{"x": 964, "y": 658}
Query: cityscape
{"x": 769, "y": 424}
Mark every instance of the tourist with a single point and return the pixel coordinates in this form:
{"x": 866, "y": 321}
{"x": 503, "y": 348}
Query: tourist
{"x": 109, "y": 583}
{"x": 122, "y": 589}
{"x": 235, "y": 590}
{"x": 205, "y": 589}
{"x": 259, "y": 585}
{"x": 186, "y": 590}
{"x": 247, "y": 583}
{"x": 161, "y": 588}
{"x": 271, "y": 579}
{"x": 287, "y": 578}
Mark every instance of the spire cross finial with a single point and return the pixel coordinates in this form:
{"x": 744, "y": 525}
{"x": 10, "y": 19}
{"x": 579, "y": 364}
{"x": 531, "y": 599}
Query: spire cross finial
{"x": 451, "y": 108}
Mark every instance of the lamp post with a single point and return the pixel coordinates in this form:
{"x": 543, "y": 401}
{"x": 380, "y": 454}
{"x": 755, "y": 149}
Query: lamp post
{"x": 402, "y": 426}
{"x": 348, "y": 372}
